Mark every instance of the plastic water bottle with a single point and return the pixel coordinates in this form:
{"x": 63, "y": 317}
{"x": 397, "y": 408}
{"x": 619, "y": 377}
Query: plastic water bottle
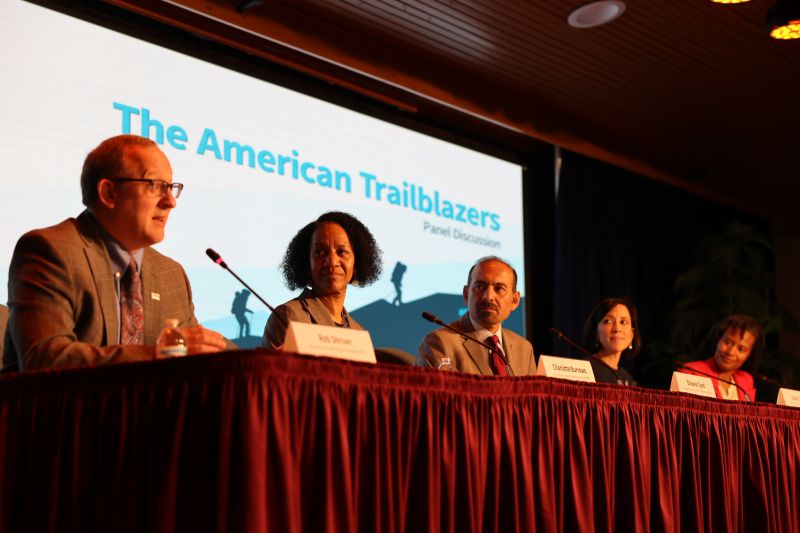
{"x": 446, "y": 364}
{"x": 170, "y": 341}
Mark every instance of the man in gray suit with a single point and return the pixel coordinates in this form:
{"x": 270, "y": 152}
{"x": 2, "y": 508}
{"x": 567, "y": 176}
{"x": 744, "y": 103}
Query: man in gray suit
{"x": 490, "y": 294}
{"x": 64, "y": 290}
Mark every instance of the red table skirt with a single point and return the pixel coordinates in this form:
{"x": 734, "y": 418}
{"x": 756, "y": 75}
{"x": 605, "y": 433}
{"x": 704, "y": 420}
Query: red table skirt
{"x": 262, "y": 441}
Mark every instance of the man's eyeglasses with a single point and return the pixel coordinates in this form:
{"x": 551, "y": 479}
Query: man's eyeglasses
{"x": 156, "y": 187}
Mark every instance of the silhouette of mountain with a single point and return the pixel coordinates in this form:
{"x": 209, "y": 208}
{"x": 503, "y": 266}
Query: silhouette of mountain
{"x": 389, "y": 325}
{"x": 247, "y": 342}
{"x": 229, "y": 327}
{"x": 403, "y": 326}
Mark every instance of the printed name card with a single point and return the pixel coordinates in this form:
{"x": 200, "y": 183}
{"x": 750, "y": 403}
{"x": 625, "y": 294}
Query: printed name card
{"x": 329, "y": 341}
{"x": 700, "y": 385}
{"x": 789, "y": 397}
{"x": 565, "y": 368}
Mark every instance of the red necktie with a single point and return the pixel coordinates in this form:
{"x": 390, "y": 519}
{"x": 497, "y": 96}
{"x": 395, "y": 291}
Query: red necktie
{"x": 496, "y": 360}
{"x": 131, "y": 306}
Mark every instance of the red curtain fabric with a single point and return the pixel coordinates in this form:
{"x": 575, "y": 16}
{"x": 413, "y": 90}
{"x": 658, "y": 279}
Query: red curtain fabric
{"x": 258, "y": 441}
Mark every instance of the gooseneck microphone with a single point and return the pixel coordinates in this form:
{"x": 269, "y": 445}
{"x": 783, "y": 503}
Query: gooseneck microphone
{"x": 706, "y": 374}
{"x": 218, "y": 260}
{"x": 765, "y": 379}
{"x": 430, "y": 317}
{"x": 562, "y": 336}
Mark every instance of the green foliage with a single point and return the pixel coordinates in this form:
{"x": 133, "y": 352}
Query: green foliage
{"x": 731, "y": 272}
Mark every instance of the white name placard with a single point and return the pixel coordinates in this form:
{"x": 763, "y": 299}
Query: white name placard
{"x": 565, "y": 368}
{"x": 700, "y": 385}
{"x": 329, "y": 341}
{"x": 789, "y": 397}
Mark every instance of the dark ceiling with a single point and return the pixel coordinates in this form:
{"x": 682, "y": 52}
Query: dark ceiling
{"x": 685, "y": 91}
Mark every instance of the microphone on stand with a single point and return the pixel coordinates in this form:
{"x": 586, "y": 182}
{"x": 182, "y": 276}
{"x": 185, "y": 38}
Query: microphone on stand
{"x": 706, "y": 374}
{"x": 762, "y": 377}
{"x": 561, "y": 335}
{"x": 218, "y": 260}
{"x": 430, "y": 317}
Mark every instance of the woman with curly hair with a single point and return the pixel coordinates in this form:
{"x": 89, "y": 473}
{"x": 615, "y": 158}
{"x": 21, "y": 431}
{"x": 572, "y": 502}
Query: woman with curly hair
{"x": 738, "y": 344}
{"x": 326, "y": 256}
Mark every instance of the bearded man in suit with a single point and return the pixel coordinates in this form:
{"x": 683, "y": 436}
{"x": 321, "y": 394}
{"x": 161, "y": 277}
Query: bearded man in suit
{"x": 90, "y": 290}
{"x": 491, "y": 295}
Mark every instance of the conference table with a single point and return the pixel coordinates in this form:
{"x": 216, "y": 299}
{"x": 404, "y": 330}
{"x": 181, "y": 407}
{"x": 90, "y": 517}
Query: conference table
{"x": 269, "y": 441}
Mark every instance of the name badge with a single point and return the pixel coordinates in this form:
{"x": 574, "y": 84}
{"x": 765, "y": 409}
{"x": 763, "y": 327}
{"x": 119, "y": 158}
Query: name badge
{"x": 789, "y": 397}
{"x": 329, "y": 341}
{"x": 699, "y": 385}
{"x": 565, "y": 368}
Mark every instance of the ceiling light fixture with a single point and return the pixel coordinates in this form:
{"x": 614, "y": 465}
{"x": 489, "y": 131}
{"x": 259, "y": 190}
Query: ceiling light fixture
{"x": 783, "y": 20}
{"x": 730, "y": 1}
{"x": 596, "y": 14}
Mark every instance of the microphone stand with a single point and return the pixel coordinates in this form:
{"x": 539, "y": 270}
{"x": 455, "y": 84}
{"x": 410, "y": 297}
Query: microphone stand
{"x": 218, "y": 260}
{"x": 712, "y": 376}
{"x": 561, "y": 335}
{"x": 430, "y": 317}
{"x": 765, "y": 379}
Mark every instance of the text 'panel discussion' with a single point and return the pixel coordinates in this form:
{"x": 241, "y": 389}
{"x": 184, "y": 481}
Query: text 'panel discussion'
{"x": 399, "y": 266}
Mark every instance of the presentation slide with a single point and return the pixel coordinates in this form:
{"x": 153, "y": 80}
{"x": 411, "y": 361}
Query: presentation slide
{"x": 258, "y": 162}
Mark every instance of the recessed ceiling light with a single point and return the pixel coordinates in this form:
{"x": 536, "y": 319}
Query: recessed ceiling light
{"x": 596, "y": 14}
{"x": 783, "y": 20}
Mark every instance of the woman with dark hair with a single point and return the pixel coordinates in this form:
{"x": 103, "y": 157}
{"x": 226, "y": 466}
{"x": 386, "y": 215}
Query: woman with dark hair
{"x": 611, "y": 330}
{"x": 739, "y": 343}
{"x": 326, "y": 256}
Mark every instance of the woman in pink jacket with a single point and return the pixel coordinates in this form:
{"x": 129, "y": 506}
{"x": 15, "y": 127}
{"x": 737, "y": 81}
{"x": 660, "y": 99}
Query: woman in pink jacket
{"x": 740, "y": 341}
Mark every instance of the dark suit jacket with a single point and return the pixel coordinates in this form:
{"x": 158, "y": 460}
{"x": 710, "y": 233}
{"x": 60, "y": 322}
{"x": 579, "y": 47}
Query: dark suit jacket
{"x": 470, "y": 357}
{"x": 3, "y": 321}
{"x": 62, "y": 301}
{"x": 307, "y": 309}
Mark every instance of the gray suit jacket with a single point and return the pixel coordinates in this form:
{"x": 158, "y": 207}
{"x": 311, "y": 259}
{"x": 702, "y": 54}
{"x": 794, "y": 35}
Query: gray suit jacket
{"x": 305, "y": 308}
{"x": 470, "y": 357}
{"x": 63, "y": 305}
